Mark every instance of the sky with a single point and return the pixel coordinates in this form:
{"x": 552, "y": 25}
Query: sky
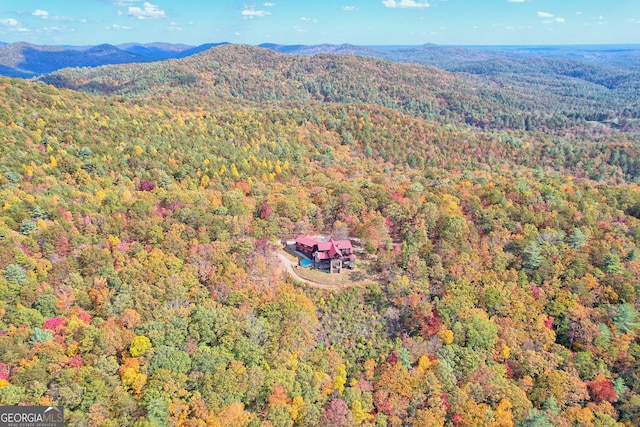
{"x": 361, "y": 22}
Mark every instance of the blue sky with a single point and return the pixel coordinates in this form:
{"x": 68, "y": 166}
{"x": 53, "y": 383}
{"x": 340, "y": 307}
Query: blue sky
{"x": 363, "y": 22}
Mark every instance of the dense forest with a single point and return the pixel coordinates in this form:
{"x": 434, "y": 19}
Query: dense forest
{"x": 139, "y": 283}
{"x": 249, "y": 76}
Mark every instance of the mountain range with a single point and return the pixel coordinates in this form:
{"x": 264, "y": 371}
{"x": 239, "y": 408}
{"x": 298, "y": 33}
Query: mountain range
{"x": 509, "y": 86}
{"x": 500, "y": 93}
{"x": 27, "y": 60}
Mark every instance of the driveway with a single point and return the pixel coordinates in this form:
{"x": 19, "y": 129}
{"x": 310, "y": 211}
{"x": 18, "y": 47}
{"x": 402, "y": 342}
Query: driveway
{"x": 292, "y": 272}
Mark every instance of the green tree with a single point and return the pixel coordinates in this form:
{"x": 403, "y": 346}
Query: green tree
{"x": 165, "y": 357}
{"x": 612, "y": 264}
{"x": 158, "y": 411}
{"x": 481, "y": 331}
{"x": 536, "y": 418}
{"x": 532, "y": 256}
{"x": 15, "y": 273}
{"x": 12, "y": 395}
{"x": 46, "y": 305}
{"x": 577, "y": 239}
{"x": 41, "y": 335}
{"x": 28, "y": 226}
{"x": 625, "y": 318}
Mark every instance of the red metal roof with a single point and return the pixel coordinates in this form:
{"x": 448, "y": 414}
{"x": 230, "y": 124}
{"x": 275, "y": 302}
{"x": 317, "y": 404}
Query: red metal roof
{"x": 326, "y": 249}
{"x": 343, "y": 244}
{"x": 334, "y": 250}
{"x": 324, "y": 246}
{"x": 340, "y": 244}
{"x": 307, "y": 241}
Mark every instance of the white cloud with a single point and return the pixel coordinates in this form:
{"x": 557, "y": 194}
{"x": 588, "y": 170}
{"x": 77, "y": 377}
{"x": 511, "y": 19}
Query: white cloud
{"x": 305, "y": 19}
{"x": 252, "y": 13}
{"x": 62, "y": 18}
{"x": 46, "y": 15}
{"x": 148, "y": 11}
{"x": 122, "y": 2}
{"x": 548, "y": 17}
{"x": 268, "y": 4}
{"x": 349, "y": 8}
{"x": 10, "y": 22}
{"x": 41, "y": 13}
{"x": 404, "y": 4}
{"x": 517, "y": 1}
{"x": 13, "y": 25}
{"x": 64, "y": 29}
{"x": 579, "y": 12}
{"x": 116, "y": 27}
{"x": 174, "y": 27}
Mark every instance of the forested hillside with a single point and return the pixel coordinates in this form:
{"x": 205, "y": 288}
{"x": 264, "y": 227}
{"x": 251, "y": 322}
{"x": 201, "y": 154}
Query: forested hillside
{"x": 245, "y": 75}
{"x": 27, "y": 60}
{"x": 139, "y": 283}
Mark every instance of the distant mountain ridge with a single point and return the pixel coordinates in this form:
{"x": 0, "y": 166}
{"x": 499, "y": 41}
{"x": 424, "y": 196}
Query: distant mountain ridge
{"x": 444, "y": 56}
{"x": 512, "y": 87}
{"x": 243, "y": 75}
{"x": 27, "y": 60}
{"x": 161, "y": 51}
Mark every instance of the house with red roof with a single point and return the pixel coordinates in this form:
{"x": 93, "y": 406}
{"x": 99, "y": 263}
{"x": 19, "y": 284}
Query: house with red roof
{"x": 330, "y": 254}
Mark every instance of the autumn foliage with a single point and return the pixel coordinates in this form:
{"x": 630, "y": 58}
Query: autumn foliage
{"x": 497, "y": 280}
